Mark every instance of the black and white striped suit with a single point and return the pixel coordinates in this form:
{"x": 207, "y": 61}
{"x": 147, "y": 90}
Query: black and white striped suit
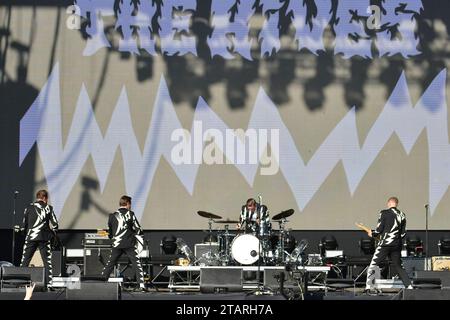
{"x": 37, "y": 219}
{"x": 123, "y": 228}
{"x": 248, "y": 219}
{"x": 391, "y": 229}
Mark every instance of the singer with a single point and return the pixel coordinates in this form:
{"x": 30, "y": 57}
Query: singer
{"x": 37, "y": 218}
{"x": 253, "y": 217}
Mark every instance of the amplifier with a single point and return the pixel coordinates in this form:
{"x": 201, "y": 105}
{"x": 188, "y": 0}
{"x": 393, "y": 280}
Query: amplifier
{"x": 205, "y": 252}
{"x": 202, "y": 248}
{"x": 333, "y": 253}
{"x": 314, "y": 259}
{"x": 412, "y": 264}
{"x": 441, "y": 263}
{"x": 95, "y": 260}
{"x": 96, "y": 240}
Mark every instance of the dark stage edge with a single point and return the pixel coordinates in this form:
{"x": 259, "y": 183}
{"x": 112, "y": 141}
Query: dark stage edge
{"x": 422, "y": 294}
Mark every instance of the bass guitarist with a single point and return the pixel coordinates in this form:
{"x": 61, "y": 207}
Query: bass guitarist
{"x": 390, "y": 231}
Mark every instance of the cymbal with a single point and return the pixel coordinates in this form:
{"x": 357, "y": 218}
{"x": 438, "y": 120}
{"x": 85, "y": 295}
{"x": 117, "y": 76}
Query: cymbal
{"x": 226, "y": 221}
{"x": 208, "y": 215}
{"x": 283, "y": 214}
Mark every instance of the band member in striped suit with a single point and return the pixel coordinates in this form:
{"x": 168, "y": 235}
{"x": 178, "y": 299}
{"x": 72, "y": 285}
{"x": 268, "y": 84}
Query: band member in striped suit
{"x": 390, "y": 231}
{"x": 39, "y": 223}
{"x": 125, "y": 231}
{"x": 254, "y": 217}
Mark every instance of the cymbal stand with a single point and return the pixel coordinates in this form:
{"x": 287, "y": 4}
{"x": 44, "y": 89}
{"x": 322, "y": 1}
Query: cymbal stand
{"x": 225, "y": 259}
{"x": 280, "y": 247}
{"x": 210, "y": 222}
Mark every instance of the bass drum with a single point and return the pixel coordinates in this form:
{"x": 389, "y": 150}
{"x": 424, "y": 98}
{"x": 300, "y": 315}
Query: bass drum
{"x": 245, "y": 249}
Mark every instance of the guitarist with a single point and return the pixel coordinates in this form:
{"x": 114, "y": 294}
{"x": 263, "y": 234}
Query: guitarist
{"x": 123, "y": 229}
{"x": 391, "y": 229}
{"x": 39, "y": 224}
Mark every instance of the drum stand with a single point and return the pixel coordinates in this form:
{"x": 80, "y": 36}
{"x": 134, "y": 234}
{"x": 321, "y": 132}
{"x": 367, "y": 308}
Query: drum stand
{"x": 225, "y": 258}
{"x": 210, "y": 257}
{"x": 281, "y": 259}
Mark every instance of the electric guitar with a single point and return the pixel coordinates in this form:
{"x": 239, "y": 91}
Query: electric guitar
{"x": 139, "y": 239}
{"x": 363, "y": 227}
{"x": 368, "y": 231}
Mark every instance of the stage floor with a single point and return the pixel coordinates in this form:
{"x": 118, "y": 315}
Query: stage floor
{"x": 418, "y": 294}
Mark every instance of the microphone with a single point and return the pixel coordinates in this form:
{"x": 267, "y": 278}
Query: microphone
{"x": 260, "y": 199}
{"x": 16, "y": 193}
{"x": 426, "y": 206}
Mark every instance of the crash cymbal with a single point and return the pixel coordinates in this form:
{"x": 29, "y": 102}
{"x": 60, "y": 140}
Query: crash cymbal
{"x": 283, "y": 214}
{"x": 208, "y": 215}
{"x": 226, "y": 221}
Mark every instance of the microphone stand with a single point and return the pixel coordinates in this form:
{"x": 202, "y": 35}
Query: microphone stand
{"x": 260, "y": 289}
{"x": 13, "y": 231}
{"x": 258, "y": 230}
{"x": 426, "y": 238}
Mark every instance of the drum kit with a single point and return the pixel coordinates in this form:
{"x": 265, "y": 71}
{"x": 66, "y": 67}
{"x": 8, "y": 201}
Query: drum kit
{"x": 271, "y": 247}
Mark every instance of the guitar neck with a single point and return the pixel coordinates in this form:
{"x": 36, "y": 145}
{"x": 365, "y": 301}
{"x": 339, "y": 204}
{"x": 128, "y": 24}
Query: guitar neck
{"x": 366, "y": 229}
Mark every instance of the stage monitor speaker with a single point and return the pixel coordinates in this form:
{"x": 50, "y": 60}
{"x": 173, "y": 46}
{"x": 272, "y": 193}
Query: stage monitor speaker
{"x": 220, "y": 279}
{"x": 412, "y": 264}
{"x": 425, "y": 294}
{"x": 94, "y": 290}
{"x": 95, "y": 260}
{"x": 272, "y": 278}
{"x": 444, "y": 276}
{"x": 13, "y": 277}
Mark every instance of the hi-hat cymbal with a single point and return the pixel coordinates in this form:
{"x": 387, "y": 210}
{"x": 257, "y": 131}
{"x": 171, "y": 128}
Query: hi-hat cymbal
{"x": 208, "y": 215}
{"x": 283, "y": 214}
{"x": 226, "y": 221}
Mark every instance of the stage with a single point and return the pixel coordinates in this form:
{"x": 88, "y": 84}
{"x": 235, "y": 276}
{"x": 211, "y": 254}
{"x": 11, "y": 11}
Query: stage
{"x": 350, "y": 295}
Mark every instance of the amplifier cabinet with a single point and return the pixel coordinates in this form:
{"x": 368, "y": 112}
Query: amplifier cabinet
{"x": 95, "y": 260}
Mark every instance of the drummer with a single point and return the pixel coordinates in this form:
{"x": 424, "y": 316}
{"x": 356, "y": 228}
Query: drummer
{"x": 253, "y": 217}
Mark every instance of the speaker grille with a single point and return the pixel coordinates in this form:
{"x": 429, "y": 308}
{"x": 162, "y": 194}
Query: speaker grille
{"x": 220, "y": 279}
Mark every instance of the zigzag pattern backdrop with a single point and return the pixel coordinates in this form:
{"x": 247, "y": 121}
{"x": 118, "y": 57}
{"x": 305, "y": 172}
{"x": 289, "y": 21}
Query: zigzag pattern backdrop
{"x": 63, "y": 163}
